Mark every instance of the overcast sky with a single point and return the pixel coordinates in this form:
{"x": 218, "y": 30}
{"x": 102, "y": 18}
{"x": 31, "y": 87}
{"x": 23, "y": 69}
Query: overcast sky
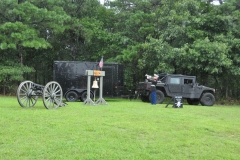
{"x": 101, "y": 1}
{"x": 216, "y": 2}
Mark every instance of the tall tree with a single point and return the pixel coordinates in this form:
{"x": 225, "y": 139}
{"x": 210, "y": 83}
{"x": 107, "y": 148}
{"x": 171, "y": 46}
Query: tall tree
{"x": 24, "y": 25}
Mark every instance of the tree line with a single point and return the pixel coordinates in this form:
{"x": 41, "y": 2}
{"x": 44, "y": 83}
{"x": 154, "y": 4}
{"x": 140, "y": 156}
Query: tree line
{"x": 192, "y": 37}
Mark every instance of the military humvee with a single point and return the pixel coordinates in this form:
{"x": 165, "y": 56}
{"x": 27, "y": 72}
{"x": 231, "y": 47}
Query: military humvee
{"x": 170, "y": 85}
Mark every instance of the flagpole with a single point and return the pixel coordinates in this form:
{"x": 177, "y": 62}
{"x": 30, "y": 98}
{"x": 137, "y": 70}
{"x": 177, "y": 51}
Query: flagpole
{"x": 101, "y": 63}
{"x": 101, "y": 100}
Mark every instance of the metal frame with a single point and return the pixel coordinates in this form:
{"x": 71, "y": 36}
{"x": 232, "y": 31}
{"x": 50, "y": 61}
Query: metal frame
{"x": 100, "y": 100}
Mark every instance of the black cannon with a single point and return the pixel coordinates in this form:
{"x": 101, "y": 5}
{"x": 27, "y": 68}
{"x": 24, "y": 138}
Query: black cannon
{"x": 28, "y": 93}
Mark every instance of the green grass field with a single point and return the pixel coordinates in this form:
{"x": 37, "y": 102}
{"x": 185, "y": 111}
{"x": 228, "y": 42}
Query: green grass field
{"x": 122, "y": 129}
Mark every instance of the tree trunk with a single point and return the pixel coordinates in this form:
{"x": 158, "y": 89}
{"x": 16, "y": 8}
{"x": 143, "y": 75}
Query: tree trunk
{"x": 226, "y": 91}
{"x": 4, "y": 90}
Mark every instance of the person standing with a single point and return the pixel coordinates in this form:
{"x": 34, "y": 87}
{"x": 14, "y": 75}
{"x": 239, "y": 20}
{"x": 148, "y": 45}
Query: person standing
{"x": 153, "y": 88}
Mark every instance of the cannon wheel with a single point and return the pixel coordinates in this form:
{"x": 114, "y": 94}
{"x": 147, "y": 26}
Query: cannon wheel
{"x": 52, "y": 95}
{"x": 25, "y": 95}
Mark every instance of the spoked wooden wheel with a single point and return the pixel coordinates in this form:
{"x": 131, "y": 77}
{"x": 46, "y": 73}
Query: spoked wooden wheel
{"x": 52, "y": 95}
{"x": 25, "y": 95}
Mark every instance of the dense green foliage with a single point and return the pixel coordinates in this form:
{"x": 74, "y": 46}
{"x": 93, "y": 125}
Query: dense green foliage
{"x": 191, "y": 37}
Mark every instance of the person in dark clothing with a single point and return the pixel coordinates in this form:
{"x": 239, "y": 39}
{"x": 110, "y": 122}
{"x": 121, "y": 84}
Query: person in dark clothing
{"x": 154, "y": 80}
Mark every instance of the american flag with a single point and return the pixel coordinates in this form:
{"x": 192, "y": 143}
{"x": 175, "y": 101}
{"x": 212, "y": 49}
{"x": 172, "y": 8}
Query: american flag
{"x": 101, "y": 63}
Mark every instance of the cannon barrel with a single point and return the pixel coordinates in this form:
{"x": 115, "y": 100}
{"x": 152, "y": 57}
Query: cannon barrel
{"x": 37, "y": 86}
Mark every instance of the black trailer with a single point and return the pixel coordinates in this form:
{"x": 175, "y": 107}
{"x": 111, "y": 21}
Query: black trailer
{"x": 71, "y": 76}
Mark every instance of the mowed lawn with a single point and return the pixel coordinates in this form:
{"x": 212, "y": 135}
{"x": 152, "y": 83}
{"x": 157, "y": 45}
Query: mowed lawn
{"x": 121, "y": 130}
